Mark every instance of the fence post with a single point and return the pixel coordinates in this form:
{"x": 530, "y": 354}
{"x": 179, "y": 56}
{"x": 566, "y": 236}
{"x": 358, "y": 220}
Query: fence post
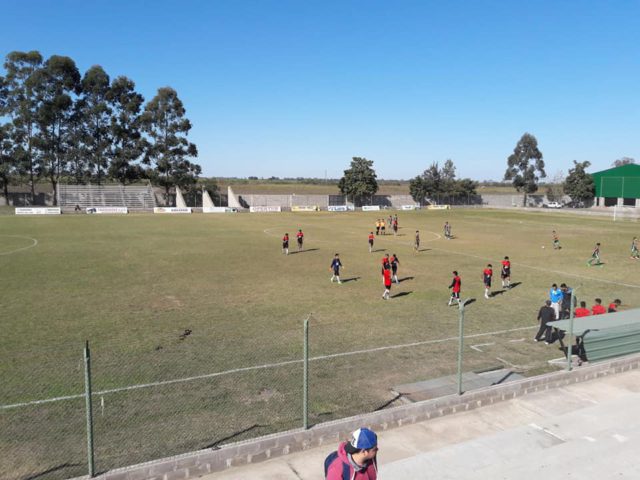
{"x": 305, "y": 377}
{"x": 572, "y": 306}
{"x": 460, "y": 342}
{"x": 89, "y": 409}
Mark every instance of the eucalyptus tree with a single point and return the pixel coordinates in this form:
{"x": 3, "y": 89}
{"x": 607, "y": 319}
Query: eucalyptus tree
{"x": 21, "y": 107}
{"x": 97, "y": 116}
{"x": 525, "y": 166}
{"x": 127, "y": 144}
{"x": 78, "y": 166}
{"x": 8, "y": 163}
{"x": 56, "y": 84}
{"x": 168, "y": 150}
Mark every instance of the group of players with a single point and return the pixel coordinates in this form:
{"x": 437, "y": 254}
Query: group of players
{"x": 390, "y": 264}
{"x": 299, "y": 239}
{"x": 381, "y": 225}
{"x": 487, "y": 277}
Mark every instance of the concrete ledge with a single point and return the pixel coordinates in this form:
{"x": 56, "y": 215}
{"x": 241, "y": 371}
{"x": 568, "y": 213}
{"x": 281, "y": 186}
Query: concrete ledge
{"x": 195, "y": 464}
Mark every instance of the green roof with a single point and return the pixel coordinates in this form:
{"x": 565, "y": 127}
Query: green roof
{"x": 618, "y": 182}
{"x": 606, "y": 336}
{"x": 600, "y": 322}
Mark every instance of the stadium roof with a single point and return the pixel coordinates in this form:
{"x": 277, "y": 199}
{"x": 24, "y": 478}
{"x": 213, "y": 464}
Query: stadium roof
{"x": 628, "y": 170}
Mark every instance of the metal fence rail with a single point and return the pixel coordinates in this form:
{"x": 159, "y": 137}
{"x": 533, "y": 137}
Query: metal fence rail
{"x": 47, "y": 431}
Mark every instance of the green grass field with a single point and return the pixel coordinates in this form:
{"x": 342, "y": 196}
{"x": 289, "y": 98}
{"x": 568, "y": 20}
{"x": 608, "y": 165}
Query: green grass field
{"x": 132, "y": 285}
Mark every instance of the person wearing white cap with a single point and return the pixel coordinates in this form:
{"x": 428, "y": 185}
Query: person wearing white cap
{"x": 355, "y": 459}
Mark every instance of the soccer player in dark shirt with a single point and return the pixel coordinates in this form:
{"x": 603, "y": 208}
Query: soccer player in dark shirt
{"x": 394, "y": 267}
{"x": 335, "y": 266}
{"x": 416, "y": 244}
{"x": 545, "y": 315}
{"x": 565, "y": 303}
{"x": 285, "y": 244}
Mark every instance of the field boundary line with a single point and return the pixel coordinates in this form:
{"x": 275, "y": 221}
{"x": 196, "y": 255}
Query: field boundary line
{"x": 260, "y": 367}
{"x": 34, "y": 244}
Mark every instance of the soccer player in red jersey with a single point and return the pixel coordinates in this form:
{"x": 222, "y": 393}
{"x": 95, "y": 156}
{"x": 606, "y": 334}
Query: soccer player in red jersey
{"x": 386, "y": 263}
{"x": 487, "y": 273}
{"x": 582, "y": 311}
{"x": 386, "y": 276}
{"x": 598, "y": 309}
{"x": 371, "y": 237}
{"x": 285, "y": 244}
{"x": 456, "y": 285}
{"x": 505, "y": 273}
{"x": 613, "y": 306}
{"x": 300, "y": 238}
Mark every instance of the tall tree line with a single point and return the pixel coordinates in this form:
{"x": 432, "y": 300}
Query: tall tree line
{"x": 439, "y": 182}
{"x": 56, "y": 124}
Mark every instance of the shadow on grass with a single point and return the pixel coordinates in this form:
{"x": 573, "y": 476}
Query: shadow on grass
{"x": 53, "y": 469}
{"x": 404, "y": 279}
{"x": 379, "y": 250}
{"x": 401, "y": 294}
{"x": 352, "y": 279}
{"x": 424, "y": 250}
{"x": 303, "y": 251}
{"x": 515, "y": 284}
{"x": 469, "y": 301}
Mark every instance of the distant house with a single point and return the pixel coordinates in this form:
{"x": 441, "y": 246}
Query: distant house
{"x": 618, "y": 186}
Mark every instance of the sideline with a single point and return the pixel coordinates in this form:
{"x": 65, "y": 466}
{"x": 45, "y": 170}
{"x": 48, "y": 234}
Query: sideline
{"x": 33, "y": 244}
{"x": 262, "y": 367}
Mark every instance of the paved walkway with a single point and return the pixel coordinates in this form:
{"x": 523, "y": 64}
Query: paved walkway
{"x": 583, "y": 431}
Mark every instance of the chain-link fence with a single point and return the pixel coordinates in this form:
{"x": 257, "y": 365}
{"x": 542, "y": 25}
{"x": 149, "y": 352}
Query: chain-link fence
{"x": 152, "y": 400}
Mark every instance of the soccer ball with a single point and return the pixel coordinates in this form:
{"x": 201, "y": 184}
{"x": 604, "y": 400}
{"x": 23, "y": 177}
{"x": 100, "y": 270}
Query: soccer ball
{"x": 542, "y": 246}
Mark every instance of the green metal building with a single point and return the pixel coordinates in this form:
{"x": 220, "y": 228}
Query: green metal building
{"x": 618, "y": 186}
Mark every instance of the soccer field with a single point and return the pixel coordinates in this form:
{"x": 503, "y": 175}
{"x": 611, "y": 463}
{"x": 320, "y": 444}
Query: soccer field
{"x": 202, "y": 316}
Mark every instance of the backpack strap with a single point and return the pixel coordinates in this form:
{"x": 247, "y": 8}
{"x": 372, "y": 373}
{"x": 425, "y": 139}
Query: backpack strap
{"x": 330, "y": 459}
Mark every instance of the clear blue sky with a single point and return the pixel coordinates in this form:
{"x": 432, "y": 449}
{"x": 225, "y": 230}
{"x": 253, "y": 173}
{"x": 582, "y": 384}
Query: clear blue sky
{"x": 297, "y": 88}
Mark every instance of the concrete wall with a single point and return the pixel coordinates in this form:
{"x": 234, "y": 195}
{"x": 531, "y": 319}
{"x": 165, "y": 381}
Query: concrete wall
{"x": 201, "y": 462}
